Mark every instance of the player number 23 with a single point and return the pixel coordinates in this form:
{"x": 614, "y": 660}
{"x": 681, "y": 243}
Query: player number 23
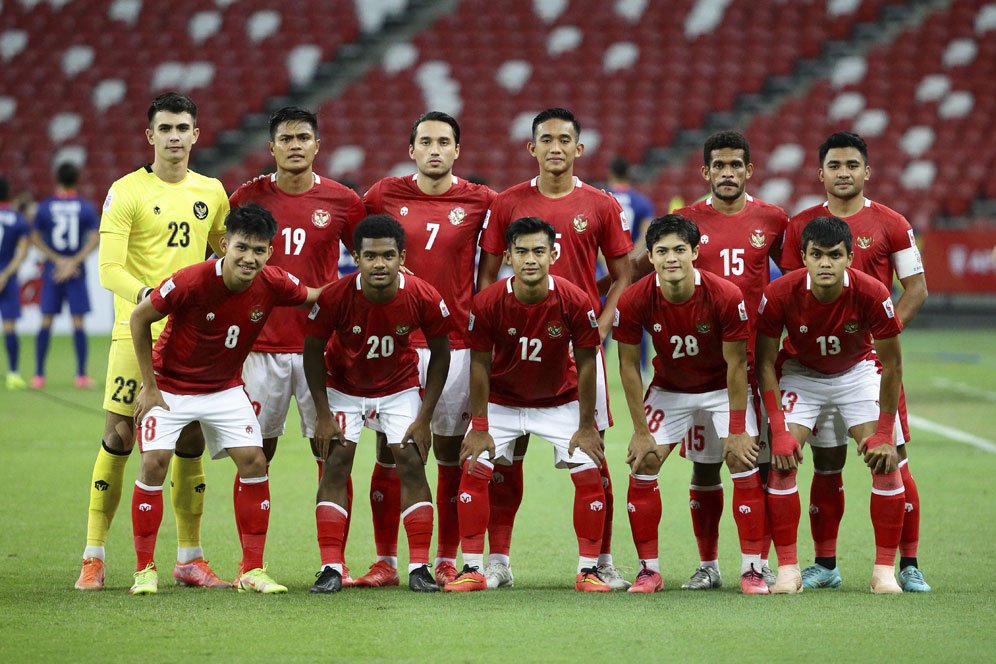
{"x": 179, "y": 234}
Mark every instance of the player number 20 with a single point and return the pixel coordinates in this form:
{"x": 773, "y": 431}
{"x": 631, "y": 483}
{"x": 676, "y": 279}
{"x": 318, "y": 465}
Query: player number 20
{"x": 233, "y": 337}
{"x": 380, "y": 347}
{"x": 531, "y": 349}
{"x": 733, "y": 261}
{"x": 828, "y": 345}
{"x": 293, "y": 240}
{"x": 684, "y": 346}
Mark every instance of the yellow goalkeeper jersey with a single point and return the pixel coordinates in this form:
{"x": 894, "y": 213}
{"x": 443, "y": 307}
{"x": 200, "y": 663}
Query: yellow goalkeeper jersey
{"x": 150, "y": 229}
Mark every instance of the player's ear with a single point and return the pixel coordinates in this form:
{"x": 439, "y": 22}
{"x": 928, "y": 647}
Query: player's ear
{"x": 554, "y": 254}
{"x": 223, "y": 244}
{"x": 749, "y": 170}
{"x": 148, "y": 136}
{"x": 695, "y": 253}
{"x": 705, "y": 172}
{"x": 868, "y": 172}
{"x": 531, "y": 147}
{"x": 271, "y": 144}
{"x": 579, "y": 150}
{"x": 411, "y": 151}
{"x": 456, "y": 152}
{"x": 318, "y": 144}
{"x": 401, "y": 257}
{"x": 195, "y": 134}
{"x": 819, "y": 174}
{"x": 269, "y": 251}
{"x": 506, "y": 257}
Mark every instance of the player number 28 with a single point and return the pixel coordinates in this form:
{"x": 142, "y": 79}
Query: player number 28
{"x": 531, "y": 349}
{"x": 733, "y": 261}
{"x": 293, "y": 240}
{"x": 828, "y": 345}
{"x": 684, "y": 346}
{"x": 380, "y": 347}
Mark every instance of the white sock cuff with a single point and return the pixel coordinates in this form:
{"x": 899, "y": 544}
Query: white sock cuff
{"x": 483, "y": 460}
{"x": 888, "y": 492}
{"x": 583, "y": 467}
{"x": 903, "y": 462}
{"x": 253, "y": 480}
{"x": 828, "y": 472}
{"x": 518, "y": 458}
{"x": 334, "y": 506}
{"x": 450, "y": 464}
{"x": 783, "y": 492}
{"x": 385, "y": 465}
{"x": 644, "y": 478}
{"x": 750, "y": 472}
{"x": 415, "y": 507}
{"x": 146, "y": 487}
{"x": 714, "y": 487}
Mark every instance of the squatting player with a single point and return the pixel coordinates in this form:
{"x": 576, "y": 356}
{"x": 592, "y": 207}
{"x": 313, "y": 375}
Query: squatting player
{"x": 884, "y": 244}
{"x": 837, "y": 321}
{"x": 371, "y": 367}
{"x": 216, "y": 310}
{"x": 442, "y": 215}
{"x": 15, "y": 234}
{"x": 524, "y": 381}
{"x": 156, "y": 220}
{"x": 586, "y": 220}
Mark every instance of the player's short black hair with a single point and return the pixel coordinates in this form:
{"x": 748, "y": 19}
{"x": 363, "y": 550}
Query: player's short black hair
{"x": 68, "y": 174}
{"x": 4, "y": 189}
{"x": 619, "y": 168}
{"x": 528, "y": 226}
{"x": 728, "y": 140}
{"x": 292, "y": 114}
{"x": 436, "y": 116}
{"x": 251, "y": 220}
{"x": 377, "y": 227}
{"x": 827, "y": 232}
{"x": 673, "y": 224}
{"x": 557, "y": 114}
{"x": 172, "y": 102}
{"x": 844, "y": 139}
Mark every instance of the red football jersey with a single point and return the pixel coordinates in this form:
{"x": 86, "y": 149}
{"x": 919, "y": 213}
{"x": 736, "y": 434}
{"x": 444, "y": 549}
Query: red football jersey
{"x": 440, "y": 239}
{"x": 531, "y": 361}
{"x": 211, "y": 329}
{"x": 737, "y": 246}
{"x": 828, "y": 338}
{"x": 688, "y": 337}
{"x": 586, "y": 220}
{"x": 882, "y": 241}
{"x": 371, "y": 353}
{"x": 307, "y": 244}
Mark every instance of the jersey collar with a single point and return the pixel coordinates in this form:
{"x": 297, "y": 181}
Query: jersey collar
{"x": 549, "y": 277}
{"x": 314, "y": 177}
{"x": 847, "y": 280}
{"x": 401, "y": 281}
{"x": 217, "y": 266}
{"x": 868, "y": 203}
{"x": 698, "y": 278}
{"x": 748, "y": 197}
{"x": 453, "y": 179}
{"x": 577, "y": 182}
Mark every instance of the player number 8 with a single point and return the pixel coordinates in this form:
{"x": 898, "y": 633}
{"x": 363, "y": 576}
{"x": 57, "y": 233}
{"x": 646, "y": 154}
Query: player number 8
{"x": 233, "y": 337}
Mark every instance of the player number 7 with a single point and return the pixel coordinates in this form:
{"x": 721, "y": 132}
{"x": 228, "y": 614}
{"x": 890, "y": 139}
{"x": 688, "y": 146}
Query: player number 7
{"x": 433, "y": 230}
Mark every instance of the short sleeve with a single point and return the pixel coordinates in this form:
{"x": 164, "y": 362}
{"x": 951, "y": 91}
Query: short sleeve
{"x": 480, "y": 335}
{"x": 733, "y": 315}
{"x": 172, "y": 292}
{"x": 218, "y": 222}
{"x": 627, "y": 327}
{"x": 288, "y": 289}
{"x": 615, "y": 239}
{"x": 584, "y": 322}
{"x": 884, "y": 323}
{"x": 770, "y": 318}
{"x": 43, "y": 221}
{"x": 792, "y": 246}
{"x": 435, "y": 318}
{"x": 321, "y": 318}
{"x": 495, "y": 222}
{"x": 91, "y": 220}
{"x": 906, "y": 259}
{"x": 356, "y": 213}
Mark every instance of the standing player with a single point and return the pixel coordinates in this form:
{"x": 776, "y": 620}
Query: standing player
{"x": 884, "y": 245}
{"x": 523, "y": 381}
{"x": 217, "y": 309}
{"x": 371, "y": 367}
{"x": 66, "y": 232}
{"x": 14, "y": 239}
{"x": 585, "y": 221}
{"x": 638, "y": 208}
{"x": 837, "y": 321}
{"x": 442, "y": 216}
{"x": 698, "y": 323}
{"x": 156, "y": 220}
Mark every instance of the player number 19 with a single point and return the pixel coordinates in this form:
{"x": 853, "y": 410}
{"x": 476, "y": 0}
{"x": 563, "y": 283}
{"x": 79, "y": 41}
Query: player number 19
{"x": 293, "y": 240}
{"x": 828, "y": 345}
{"x": 733, "y": 261}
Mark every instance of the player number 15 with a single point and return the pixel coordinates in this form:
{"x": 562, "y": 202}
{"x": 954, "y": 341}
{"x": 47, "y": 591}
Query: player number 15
{"x": 733, "y": 261}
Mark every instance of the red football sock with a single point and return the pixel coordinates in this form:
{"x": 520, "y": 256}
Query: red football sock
{"x": 826, "y": 509}
{"x": 706, "y": 506}
{"x": 888, "y": 501}
{"x": 589, "y": 510}
{"x": 331, "y": 520}
{"x": 474, "y": 506}
{"x": 252, "y": 511}
{"x": 644, "y": 507}
{"x": 603, "y": 472}
{"x": 910, "y": 539}
{"x": 146, "y": 516}
{"x": 748, "y": 510}
{"x": 418, "y": 526}
{"x": 505, "y": 494}
{"x": 235, "y": 501}
{"x": 321, "y": 469}
{"x": 784, "y": 511}
{"x": 447, "y": 487}
{"x": 349, "y": 511}
{"x": 385, "y": 504}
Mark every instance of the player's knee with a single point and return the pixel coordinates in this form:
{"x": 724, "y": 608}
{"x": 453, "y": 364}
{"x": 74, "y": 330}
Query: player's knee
{"x": 119, "y": 433}
{"x": 253, "y": 464}
{"x": 829, "y": 459}
{"x": 154, "y": 466}
{"x": 447, "y": 448}
{"x": 737, "y": 466}
{"x": 270, "y": 448}
{"x": 384, "y": 454}
{"x": 649, "y": 466}
{"x": 706, "y": 474}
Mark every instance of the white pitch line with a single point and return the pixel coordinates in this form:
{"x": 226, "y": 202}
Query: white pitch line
{"x": 953, "y": 434}
{"x": 964, "y": 388}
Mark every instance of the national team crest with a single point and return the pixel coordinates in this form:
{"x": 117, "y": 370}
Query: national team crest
{"x": 457, "y": 215}
{"x": 555, "y": 329}
{"x": 580, "y": 223}
{"x": 703, "y": 327}
{"x": 402, "y": 330}
{"x": 256, "y": 314}
{"x": 864, "y": 241}
{"x": 201, "y": 210}
{"x": 758, "y": 239}
{"x": 852, "y": 326}
{"x": 321, "y": 218}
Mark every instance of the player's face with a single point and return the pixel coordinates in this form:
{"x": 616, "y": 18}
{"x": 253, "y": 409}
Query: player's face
{"x": 844, "y": 172}
{"x": 727, "y": 173}
{"x": 379, "y": 261}
{"x": 555, "y": 146}
{"x": 672, "y": 258}
{"x": 826, "y": 265}
{"x": 530, "y": 257}
{"x": 435, "y": 149}
{"x": 244, "y": 257}
{"x": 172, "y": 135}
{"x": 294, "y": 146}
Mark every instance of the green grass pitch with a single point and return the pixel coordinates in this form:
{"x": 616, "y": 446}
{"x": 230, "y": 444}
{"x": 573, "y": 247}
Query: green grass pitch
{"x": 50, "y": 438}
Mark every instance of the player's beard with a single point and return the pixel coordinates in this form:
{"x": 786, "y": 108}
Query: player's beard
{"x": 727, "y": 197}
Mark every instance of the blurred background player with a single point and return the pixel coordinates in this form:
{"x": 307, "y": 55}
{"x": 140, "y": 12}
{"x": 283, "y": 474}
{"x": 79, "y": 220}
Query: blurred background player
{"x": 216, "y": 310}
{"x": 371, "y": 367}
{"x": 65, "y": 231}
{"x": 442, "y": 215}
{"x": 884, "y": 245}
{"x": 586, "y": 221}
{"x": 14, "y": 240}
{"x": 838, "y": 321}
{"x": 638, "y": 208}
{"x": 522, "y": 331}
{"x": 699, "y": 396}
{"x": 156, "y": 220}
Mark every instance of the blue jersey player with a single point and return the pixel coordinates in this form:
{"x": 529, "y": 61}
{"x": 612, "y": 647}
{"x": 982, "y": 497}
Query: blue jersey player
{"x": 14, "y": 233}
{"x": 66, "y": 232}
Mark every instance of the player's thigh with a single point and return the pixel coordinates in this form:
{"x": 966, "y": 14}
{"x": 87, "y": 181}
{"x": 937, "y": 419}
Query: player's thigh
{"x": 78, "y": 296}
{"x": 123, "y": 378}
{"x": 350, "y": 411}
{"x": 670, "y": 415}
{"x": 711, "y": 425}
{"x": 396, "y": 412}
{"x": 228, "y": 420}
{"x": 829, "y": 430}
{"x": 452, "y": 414}
{"x": 302, "y": 394}
{"x": 160, "y": 429}
{"x": 267, "y": 378}
{"x": 52, "y": 295}
{"x": 804, "y": 397}
{"x": 558, "y": 424}
{"x": 505, "y": 424}
{"x": 10, "y": 301}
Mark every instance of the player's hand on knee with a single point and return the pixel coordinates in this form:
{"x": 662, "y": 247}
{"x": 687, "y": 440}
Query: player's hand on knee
{"x": 588, "y": 441}
{"x": 476, "y": 443}
{"x": 149, "y": 397}
{"x": 420, "y": 435}
{"x": 326, "y": 431}
{"x": 882, "y": 459}
{"x": 642, "y": 446}
{"x": 742, "y": 449}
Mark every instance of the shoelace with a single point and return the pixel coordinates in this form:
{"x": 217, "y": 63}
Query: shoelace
{"x": 591, "y": 571}
{"x": 753, "y": 573}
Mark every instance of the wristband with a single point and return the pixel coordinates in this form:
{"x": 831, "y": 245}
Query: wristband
{"x": 738, "y": 421}
{"x": 144, "y": 293}
{"x": 884, "y": 433}
{"x": 774, "y": 409}
{"x": 478, "y": 423}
